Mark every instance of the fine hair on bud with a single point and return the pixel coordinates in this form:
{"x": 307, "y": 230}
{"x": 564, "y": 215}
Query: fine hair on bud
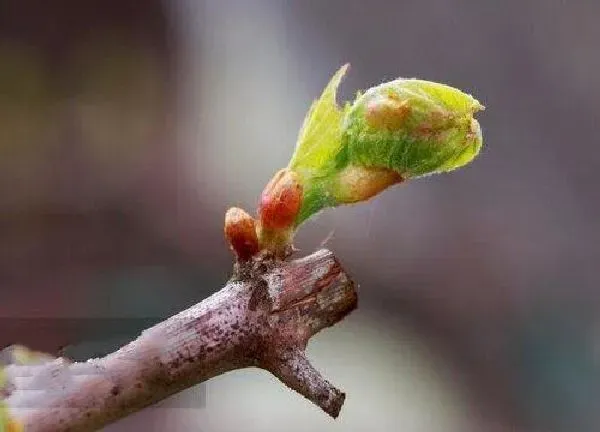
{"x": 240, "y": 232}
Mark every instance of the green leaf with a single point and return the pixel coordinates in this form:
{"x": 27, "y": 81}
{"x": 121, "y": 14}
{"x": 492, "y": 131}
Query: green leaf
{"x": 319, "y": 139}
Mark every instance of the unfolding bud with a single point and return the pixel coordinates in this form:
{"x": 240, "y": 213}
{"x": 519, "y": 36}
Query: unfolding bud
{"x": 393, "y": 132}
{"x": 280, "y": 201}
{"x": 240, "y": 232}
{"x": 412, "y": 127}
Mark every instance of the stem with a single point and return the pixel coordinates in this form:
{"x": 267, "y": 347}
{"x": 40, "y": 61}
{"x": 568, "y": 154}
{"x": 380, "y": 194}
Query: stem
{"x": 263, "y": 318}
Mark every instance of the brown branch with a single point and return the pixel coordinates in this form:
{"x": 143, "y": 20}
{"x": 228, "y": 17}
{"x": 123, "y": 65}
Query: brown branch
{"x": 263, "y": 317}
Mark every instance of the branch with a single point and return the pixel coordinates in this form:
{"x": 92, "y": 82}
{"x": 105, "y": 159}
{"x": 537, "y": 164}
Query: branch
{"x": 263, "y": 317}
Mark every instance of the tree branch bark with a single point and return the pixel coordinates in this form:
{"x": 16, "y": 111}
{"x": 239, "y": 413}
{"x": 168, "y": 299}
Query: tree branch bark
{"x": 262, "y": 318}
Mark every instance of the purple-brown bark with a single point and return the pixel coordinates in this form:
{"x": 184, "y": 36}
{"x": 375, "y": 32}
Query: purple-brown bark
{"x": 262, "y": 318}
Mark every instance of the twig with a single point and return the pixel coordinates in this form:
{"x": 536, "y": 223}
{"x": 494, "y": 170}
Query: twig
{"x": 263, "y": 317}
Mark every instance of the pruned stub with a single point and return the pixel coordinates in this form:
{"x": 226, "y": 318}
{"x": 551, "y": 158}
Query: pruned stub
{"x": 309, "y": 296}
{"x": 297, "y": 282}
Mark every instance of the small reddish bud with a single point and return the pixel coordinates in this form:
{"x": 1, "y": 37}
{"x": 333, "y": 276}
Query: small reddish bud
{"x": 281, "y": 200}
{"x": 240, "y": 232}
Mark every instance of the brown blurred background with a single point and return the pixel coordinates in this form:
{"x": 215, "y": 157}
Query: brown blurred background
{"x": 127, "y": 128}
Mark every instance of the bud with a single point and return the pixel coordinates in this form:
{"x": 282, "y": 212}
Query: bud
{"x": 240, "y": 232}
{"x": 280, "y": 201}
{"x": 395, "y": 131}
{"x": 356, "y": 183}
{"x": 412, "y": 127}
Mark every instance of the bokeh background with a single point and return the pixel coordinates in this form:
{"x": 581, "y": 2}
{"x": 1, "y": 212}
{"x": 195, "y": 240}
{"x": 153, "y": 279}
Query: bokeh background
{"x": 127, "y": 128}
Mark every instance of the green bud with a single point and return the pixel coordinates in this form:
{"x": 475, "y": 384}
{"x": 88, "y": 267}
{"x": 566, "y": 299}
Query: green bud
{"x": 395, "y": 131}
{"x": 412, "y": 127}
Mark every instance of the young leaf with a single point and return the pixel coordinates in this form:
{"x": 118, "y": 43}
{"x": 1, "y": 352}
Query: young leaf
{"x": 319, "y": 139}
{"x": 402, "y": 129}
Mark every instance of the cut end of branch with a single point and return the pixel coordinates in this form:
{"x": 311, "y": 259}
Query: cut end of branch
{"x": 314, "y": 290}
{"x": 307, "y": 295}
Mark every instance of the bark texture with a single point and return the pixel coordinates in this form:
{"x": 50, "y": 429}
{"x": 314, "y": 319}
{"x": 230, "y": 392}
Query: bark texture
{"x": 263, "y": 318}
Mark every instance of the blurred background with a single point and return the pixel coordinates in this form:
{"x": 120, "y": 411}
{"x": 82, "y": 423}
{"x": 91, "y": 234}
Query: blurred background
{"x": 127, "y": 128}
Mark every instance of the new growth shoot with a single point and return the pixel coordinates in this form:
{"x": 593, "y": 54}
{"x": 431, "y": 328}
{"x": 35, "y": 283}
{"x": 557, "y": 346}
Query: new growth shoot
{"x": 391, "y": 133}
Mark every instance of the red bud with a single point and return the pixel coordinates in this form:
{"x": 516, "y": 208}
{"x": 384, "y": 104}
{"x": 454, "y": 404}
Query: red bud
{"x": 281, "y": 200}
{"x": 240, "y": 232}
